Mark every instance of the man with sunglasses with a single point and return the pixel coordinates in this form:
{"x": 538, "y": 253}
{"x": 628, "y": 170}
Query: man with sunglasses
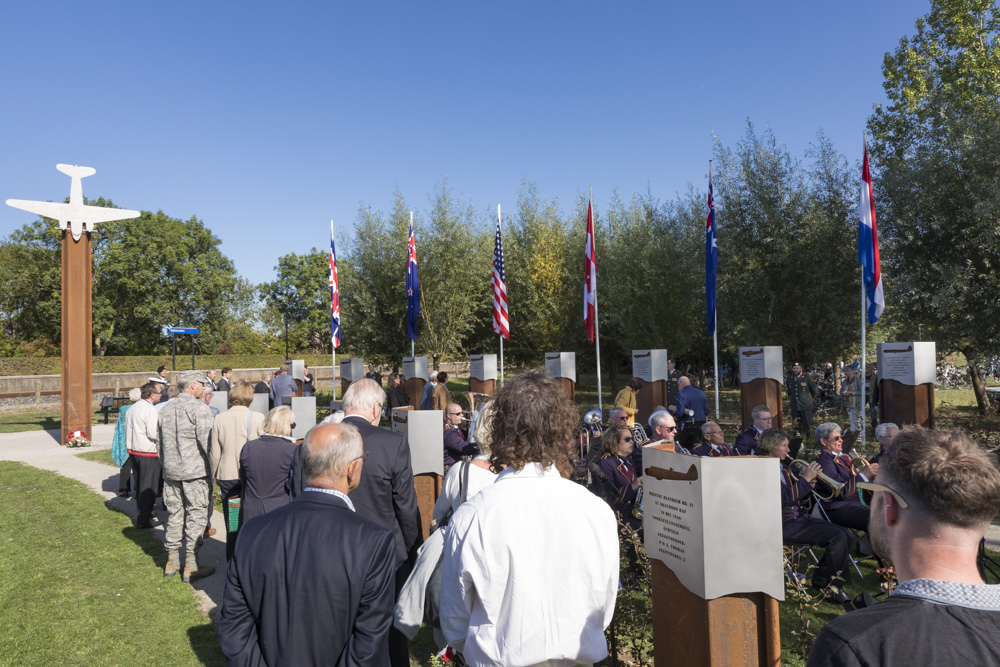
{"x": 936, "y": 494}
{"x": 455, "y": 445}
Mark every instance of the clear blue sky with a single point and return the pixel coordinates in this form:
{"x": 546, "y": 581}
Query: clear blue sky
{"x": 266, "y": 120}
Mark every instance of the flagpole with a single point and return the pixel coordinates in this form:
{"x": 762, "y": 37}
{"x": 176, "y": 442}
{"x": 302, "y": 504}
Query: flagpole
{"x": 597, "y": 327}
{"x": 715, "y": 318}
{"x": 413, "y": 343}
{"x": 333, "y": 344}
{"x": 501, "y": 333}
{"x": 864, "y": 303}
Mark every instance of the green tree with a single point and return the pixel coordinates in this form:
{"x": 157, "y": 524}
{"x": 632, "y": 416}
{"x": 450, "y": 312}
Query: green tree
{"x": 148, "y": 272}
{"x": 374, "y": 302}
{"x": 299, "y": 297}
{"x": 454, "y": 275}
{"x": 788, "y": 271}
{"x": 938, "y": 190}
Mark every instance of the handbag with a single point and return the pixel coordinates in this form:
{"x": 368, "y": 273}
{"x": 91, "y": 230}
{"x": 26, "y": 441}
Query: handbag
{"x": 432, "y": 595}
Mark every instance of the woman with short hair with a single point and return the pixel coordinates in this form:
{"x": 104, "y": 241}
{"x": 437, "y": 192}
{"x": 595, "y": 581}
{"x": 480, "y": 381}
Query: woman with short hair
{"x": 265, "y": 463}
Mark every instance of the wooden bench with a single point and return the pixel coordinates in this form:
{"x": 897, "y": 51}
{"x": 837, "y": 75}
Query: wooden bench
{"x": 111, "y": 404}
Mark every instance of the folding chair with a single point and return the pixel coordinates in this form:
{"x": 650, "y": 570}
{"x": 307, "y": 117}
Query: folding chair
{"x": 820, "y": 513}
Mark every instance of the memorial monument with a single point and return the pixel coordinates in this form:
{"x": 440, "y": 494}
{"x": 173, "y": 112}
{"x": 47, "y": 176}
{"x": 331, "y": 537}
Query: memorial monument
{"x": 77, "y": 221}
{"x": 761, "y": 381}
{"x": 650, "y": 366}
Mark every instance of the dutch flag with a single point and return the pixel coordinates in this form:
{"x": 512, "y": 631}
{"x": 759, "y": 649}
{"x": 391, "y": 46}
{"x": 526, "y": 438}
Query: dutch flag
{"x": 868, "y": 246}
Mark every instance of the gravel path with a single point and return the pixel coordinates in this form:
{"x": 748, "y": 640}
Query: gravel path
{"x": 41, "y": 449}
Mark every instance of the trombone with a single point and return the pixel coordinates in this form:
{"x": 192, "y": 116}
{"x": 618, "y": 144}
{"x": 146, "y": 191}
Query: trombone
{"x": 836, "y": 487}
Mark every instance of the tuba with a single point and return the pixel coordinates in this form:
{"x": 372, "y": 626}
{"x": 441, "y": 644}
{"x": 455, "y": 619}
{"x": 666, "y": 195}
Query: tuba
{"x": 835, "y": 486}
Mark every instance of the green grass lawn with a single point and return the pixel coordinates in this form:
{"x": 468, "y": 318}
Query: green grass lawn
{"x": 97, "y": 455}
{"x": 82, "y": 587}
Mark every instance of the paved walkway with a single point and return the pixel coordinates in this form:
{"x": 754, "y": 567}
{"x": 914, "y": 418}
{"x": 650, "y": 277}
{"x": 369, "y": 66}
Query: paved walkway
{"x": 41, "y": 449}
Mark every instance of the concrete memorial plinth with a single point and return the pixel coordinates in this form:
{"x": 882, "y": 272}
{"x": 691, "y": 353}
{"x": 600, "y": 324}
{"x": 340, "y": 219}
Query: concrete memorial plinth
{"x": 562, "y": 365}
{"x": 77, "y": 221}
{"x": 424, "y": 429}
{"x": 298, "y": 372}
{"x": 761, "y": 382}
{"x": 350, "y": 370}
{"x": 260, "y": 403}
{"x": 220, "y": 400}
{"x": 906, "y": 375}
{"x": 415, "y": 372}
{"x": 483, "y": 374}
{"x": 713, "y": 536}
{"x": 304, "y": 408}
{"x": 650, "y": 366}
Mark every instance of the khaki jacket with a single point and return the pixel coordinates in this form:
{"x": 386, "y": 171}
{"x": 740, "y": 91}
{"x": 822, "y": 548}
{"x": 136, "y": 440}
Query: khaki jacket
{"x": 229, "y": 434}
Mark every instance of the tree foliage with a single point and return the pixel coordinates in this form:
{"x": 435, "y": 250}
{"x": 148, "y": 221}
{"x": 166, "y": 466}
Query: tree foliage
{"x": 938, "y": 168}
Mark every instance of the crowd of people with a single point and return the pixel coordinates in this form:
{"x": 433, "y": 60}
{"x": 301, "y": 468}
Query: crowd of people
{"x": 331, "y": 560}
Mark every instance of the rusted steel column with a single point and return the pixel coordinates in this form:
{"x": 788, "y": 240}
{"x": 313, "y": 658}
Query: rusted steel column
{"x": 77, "y": 328}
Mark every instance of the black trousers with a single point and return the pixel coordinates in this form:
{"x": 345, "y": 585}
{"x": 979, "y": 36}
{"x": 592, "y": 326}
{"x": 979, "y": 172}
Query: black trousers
{"x": 147, "y": 475}
{"x": 805, "y": 423}
{"x": 125, "y": 477}
{"x": 836, "y": 542}
{"x": 852, "y": 516}
{"x": 228, "y": 488}
{"x": 399, "y": 646}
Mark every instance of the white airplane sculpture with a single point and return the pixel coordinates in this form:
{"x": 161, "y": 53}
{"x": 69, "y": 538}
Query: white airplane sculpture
{"x": 77, "y": 215}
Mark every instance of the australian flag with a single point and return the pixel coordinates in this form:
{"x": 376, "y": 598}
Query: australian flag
{"x": 412, "y": 285}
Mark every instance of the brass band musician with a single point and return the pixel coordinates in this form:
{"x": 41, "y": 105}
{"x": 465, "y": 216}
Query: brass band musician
{"x": 845, "y": 509}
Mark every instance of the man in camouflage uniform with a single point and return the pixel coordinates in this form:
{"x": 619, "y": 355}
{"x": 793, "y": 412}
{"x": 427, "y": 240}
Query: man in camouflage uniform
{"x": 802, "y": 392}
{"x": 185, "y": 427}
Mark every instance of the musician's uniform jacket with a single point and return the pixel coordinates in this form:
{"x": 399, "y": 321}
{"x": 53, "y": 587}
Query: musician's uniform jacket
{"x": 706, "y": 449}
{"x": 746, "y": 442}
{"x": 627, "y": 399}
{"x": 881, "y": 452}
{"x": 802, "y": 392}
{"x": 794, "y": 494}
{"x": 621, "y": 473}
{"x": 838, "y": 467}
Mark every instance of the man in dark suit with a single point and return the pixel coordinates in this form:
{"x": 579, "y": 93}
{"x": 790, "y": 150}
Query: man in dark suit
{"x": 692, "y": 404}
{"x": 311, "y": 582}
{"x": 386, "y": 494}
{"x": 746, "y": 442}
{"x": 225, "y": 384}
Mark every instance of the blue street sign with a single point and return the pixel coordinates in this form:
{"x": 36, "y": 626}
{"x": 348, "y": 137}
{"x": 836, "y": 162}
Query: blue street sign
{"x": 181, "y": 330}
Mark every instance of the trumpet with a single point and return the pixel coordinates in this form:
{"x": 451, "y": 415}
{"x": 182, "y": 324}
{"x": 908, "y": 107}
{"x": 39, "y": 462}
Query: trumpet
{"x": 858, "y": 462}
{"x": 835, "y": 486}
{"x": 637, "y": 509}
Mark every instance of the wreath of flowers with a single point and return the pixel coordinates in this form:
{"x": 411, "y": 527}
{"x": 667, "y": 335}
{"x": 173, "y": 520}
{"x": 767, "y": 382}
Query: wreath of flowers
{"x": 77, "y": 439}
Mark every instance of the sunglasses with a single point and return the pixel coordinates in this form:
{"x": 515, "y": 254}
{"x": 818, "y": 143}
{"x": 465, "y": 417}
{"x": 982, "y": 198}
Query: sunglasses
{"x": 866, "y": 492}
{"x": 626, "y": 439}
{"x": 669, "y": 428}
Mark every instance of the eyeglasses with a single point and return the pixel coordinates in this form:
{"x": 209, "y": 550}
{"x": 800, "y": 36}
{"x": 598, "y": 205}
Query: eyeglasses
{"x": 714, "y": 433}
{"x": 454, "y": 414}
{"x": 363, "y": 457}
{"x": 629, "y": 439}
{"x": 764, "y": 419}
{"x": 866, "y": 492}
{"x": 837, "y": 437}
{"x": 669, "y": 428}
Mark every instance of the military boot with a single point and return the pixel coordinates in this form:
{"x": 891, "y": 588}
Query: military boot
{"x": 173, "y": 563}
{"x": 191, "y": 569}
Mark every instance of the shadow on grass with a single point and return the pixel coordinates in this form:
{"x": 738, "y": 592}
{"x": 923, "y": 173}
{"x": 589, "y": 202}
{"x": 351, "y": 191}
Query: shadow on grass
{"x": 205, "y": 644}
{"x": 150, "y": 545}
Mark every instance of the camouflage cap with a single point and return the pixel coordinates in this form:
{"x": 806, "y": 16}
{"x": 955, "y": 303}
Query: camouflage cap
{"x": 192, "y": 376}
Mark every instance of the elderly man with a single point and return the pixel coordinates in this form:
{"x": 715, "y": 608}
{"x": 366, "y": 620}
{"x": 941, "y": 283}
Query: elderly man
{"x": 885, "y": 434}
{"x": 210, "y": 380}
{"x": 501, "y": 603}
{"x": 692, "y": 404}
{"x": 936, "y": 495}
{"x": 455, "y": 445}
{"x": 185, "y": 431}
{"x": 713, "y": 442}
{"x": 617, "y": 417}
{"x": 664, "y": 430}
{"x": 385, "y": 494}
{"x": 141, "y": 437}
{"x": 746, "y": 442}
{"x": 311, "y": 582}
{"x": 427, "y": 395}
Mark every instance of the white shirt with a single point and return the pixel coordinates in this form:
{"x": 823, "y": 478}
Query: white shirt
{"x": 530, "y": 572}
{"x": 141, "y": 434}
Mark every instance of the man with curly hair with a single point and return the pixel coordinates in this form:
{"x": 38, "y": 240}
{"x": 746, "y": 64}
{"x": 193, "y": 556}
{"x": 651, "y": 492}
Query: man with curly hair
{"x": 531, "y": 563}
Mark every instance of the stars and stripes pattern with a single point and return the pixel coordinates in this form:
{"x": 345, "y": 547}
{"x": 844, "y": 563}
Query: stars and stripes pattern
{"x": 590, "y": 276}
{"x": 334, "y": 294}
{"x": 412, "y": 285}
{"x": 868, "y": 246}
{"x": 501, "y": 323}
{"x": 711, "y": 258}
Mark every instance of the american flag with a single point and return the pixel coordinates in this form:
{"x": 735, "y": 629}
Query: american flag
{"x": 590, "y": 276}
{"x": 334, "y": 294}
{"x": 412, "y": 285}
{"x": 501, "y": 325}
